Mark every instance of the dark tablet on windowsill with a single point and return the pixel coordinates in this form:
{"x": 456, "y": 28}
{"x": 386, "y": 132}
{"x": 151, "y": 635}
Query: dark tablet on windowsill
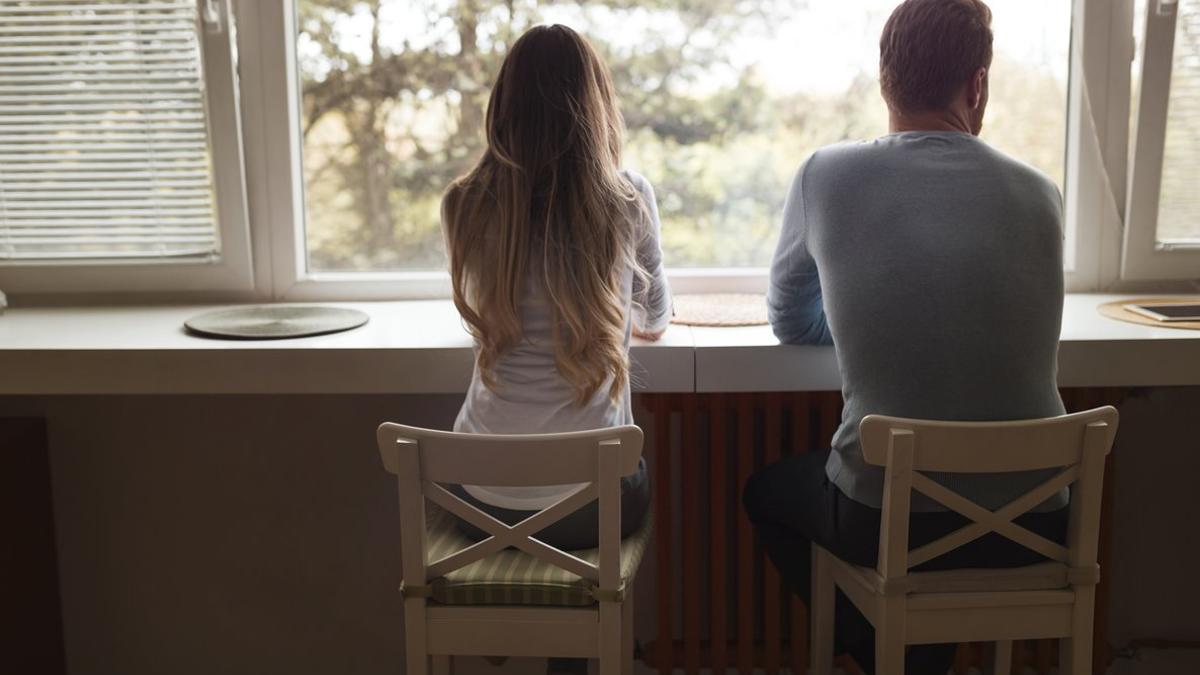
{"x": 1167, "y": 312}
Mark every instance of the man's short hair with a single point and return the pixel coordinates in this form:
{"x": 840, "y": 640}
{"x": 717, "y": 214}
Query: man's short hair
{"x": 930, "y": 49}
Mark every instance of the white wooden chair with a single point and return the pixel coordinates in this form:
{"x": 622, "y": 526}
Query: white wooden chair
{"x": 559, "y": 604}
{"x": 1054, "y": 599}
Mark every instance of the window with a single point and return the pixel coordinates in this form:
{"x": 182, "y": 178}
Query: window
{"x": 1162, "y": 238}
{"x": 107, "y": 113}
{"x": 359, "y": 112}
{"x": 722, "y": 100}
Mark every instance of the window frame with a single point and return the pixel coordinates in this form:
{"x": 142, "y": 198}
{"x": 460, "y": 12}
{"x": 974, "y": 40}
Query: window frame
{"x": 1095, "y": 149}
{"x": 1097, "y": 143}
{"x": 1143, "y": 258}
{"x": 232, "y": 269}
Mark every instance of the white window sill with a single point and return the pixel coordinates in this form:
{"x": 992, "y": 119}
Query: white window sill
{"x": 421, "y": 347}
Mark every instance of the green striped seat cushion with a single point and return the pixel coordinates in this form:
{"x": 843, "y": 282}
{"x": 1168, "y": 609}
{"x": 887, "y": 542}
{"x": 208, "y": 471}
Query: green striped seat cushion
{"x": 513, "y": 577}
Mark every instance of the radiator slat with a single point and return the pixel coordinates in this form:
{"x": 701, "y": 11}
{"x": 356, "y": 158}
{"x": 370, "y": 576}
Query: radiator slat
{"x": 745, "y": 547}
{"x": 690, "y": 457}
{"x": 773, "y": 421}
{"x": 662, "y": 527}
{"x": 1022, "y": 656}
{"x": 799, "y": 615}
{"x": 1045, "y": 655}
{"x": 831, "y": 416}
{"x": 718, "y": 501}
{"x": 964, "y": 658}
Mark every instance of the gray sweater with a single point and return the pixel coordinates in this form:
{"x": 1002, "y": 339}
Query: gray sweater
{"x": 933, "y": 263}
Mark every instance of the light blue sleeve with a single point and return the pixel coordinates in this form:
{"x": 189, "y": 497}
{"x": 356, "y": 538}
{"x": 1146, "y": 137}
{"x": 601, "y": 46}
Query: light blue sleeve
{"x": 794, "y": 295}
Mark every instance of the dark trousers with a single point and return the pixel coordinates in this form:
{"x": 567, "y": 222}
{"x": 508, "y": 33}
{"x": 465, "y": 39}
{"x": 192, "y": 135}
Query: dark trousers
{"x": 793, "y": 504}
{"x": 578, "y": 530}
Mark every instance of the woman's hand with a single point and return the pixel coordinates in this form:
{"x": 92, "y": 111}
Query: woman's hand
{"x": 652, "y": 337}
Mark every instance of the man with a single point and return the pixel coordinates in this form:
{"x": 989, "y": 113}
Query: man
{"x": 933, "y": 263}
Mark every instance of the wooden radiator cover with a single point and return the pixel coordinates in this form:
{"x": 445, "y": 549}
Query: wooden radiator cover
{"x": 720, "y": 604}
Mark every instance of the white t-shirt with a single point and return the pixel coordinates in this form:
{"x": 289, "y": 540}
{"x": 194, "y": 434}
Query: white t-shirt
{"x": 532, "y": 397}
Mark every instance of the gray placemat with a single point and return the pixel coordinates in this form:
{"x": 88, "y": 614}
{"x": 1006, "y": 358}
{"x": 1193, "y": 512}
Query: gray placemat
{"x": 274, "y": 322}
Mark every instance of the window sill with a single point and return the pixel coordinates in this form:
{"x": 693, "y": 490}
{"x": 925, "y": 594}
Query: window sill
{"x": 421, "y": 347}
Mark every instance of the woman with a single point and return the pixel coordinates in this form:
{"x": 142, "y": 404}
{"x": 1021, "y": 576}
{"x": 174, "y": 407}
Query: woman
{"x": 552, "y": 249}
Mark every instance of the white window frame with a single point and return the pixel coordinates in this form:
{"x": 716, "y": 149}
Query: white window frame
{"x": 230, "y": 271}
{"x": 1097, "y": 142}
{"x": 1144, "y": 257}
{"x": 270, "y": 91}
{"x": 1095, "y": 184}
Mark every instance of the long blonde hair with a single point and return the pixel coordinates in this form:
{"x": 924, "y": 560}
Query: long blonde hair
{"x": 548, "y": 196}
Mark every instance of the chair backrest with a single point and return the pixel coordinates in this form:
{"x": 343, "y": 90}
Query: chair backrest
{"x": 1078, "y": 444}
{"x": 423, "y": 459}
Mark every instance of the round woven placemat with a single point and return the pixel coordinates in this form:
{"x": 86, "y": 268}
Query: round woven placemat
{"x": 1116, "y": 310}
{"x": 274, "y": 322}
{"x": 720, "y": 309}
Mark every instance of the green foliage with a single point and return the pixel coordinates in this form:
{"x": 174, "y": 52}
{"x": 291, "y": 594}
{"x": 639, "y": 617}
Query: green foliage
{"x": 394, "y": 111}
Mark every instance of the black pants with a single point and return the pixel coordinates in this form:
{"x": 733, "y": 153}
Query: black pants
{"x": 792, "y": 504}
{"x": 579, "y": 529}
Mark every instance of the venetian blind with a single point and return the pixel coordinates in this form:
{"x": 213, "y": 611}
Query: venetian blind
{"x": 104, "y": 144}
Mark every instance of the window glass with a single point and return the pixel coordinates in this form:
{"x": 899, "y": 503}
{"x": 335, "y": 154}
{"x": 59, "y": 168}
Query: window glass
{"x": 1179, "y": 198}
{"x": 723, "y": 100}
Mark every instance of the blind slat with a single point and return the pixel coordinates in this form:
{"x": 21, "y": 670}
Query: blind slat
{"x": 173, "y": 191}
{"x": 155, "y": 207}
{"x": 112, "y": 240}
{"x": 103, "y": 184}
{"x": 78, "y": 149}
{"x": 160, "y": 252}
{"x": 90, "y": 20}
{"x": 193, "y": 203}
{"x": 80, "y": 107}
{"x": 160, "y": 40}
{"x": 104, "y": 142}
{"x": 141, "y": 120}
{"x": 135, "y": 76}
{"x": 147, "y": 156}
{"x": 101, "y": 179}
{"x": 98, "y": 232}
{"x": 70, "y": 136}
{"x": 91, "y": 49}
{"x": 176, "y": 26}
{"x": 43, "y": 99}
{"x": 51, "y": 10}
{"x": 87, "y": 62}
{"x": 80, "y": 169}
{"x": 149, "y": 221}
{"x": 84, "y": 85}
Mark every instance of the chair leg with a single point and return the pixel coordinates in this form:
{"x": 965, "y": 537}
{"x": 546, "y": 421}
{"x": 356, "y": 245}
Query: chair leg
{"x": 415, "y": 648}
{"x": 820, "y": 615}
{"x": 627, "y": 635}
{"x": 442, "y": 664}
{"x": 1075, "y": 652}
{"x": 1002, "y": 665}
{"x": 889, "y": 635}
{"x": 610, "y": 638}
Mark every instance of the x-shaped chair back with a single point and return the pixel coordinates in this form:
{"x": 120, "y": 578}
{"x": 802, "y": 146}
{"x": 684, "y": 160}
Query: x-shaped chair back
{"x": 1076, "y": 444}
{"x": 424, "y": 460}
